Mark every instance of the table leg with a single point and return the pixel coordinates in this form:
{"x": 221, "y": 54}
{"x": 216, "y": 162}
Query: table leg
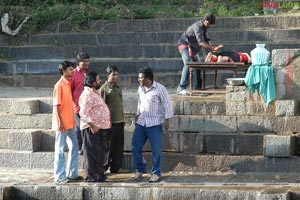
{"x": 216, "y": 74}
{"x": 203, "y": 80}
{"x": 191, "y": 80}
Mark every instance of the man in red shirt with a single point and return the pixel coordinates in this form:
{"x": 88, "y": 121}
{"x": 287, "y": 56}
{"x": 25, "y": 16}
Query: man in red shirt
{"x": 83, "y": 63}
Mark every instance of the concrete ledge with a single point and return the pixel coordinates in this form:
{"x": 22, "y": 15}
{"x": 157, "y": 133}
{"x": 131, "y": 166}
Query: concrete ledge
{"x": 279, "y": 146}
{"x": 24, "y": 107}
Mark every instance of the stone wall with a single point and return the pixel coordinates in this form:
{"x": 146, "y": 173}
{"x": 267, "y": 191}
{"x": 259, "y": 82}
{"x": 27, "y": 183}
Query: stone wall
{"x": 286, "y": 64}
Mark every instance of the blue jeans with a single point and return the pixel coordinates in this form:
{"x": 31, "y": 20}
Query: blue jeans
{"x": 61, "y": 138}
{"x": 185, "y": 74}
{"x": 140, "y": 136}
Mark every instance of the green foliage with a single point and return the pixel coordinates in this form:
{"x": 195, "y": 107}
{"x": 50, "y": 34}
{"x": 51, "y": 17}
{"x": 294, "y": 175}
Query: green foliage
{"x": 43, "y": 12}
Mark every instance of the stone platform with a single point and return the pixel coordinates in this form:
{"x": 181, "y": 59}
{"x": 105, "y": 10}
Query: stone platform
{"x": 24, "y": 184}
{"x": 213, "y": 150}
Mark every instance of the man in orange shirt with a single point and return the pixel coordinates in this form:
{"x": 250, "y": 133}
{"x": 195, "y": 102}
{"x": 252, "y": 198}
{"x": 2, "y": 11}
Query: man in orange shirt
{"x": 63, "y": 122}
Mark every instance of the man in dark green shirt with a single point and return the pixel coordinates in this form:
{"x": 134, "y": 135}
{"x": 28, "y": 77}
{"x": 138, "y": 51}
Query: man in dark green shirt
{"x": 112, "y": 94}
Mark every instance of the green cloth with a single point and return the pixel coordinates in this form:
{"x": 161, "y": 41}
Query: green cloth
{"x": 112, "y": 94}
{"x": 261, "y": 78}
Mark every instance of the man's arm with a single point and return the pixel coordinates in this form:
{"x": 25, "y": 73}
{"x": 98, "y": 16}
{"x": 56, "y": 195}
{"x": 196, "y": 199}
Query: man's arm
{"x": 59, "y": 118}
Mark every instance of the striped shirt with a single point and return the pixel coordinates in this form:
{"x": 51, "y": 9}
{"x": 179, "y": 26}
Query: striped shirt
{"x": 154, "y": 105}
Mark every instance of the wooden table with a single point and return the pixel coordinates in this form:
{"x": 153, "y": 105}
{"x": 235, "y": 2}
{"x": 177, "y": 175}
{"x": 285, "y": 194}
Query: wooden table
{"x": 235, "y": 67}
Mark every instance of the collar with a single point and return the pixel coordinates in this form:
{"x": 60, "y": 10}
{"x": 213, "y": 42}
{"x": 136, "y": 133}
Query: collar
{"x": 80, "y": 70}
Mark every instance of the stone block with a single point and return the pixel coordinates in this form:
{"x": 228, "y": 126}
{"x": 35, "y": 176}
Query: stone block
{"x": 287, "y": 107}
{"x": 4, "y": 139}
{"x": 282, "y": 57}
{"x": 239, "y": 101}
{"x": 45, "y": 105}
{"x": 15, "y": 159}
{"x": 24, "y": 107}
{"x": 234, "y": 144}
{"x": 34, "y": 121}
{"x": 48, "y": 192}
{"x": 5, "y": 105}
{"x": 203, "y": 108}
{"x": 279, "y": 146}
{"x": 47, "y": 140}
{"x": 25, "y": 140}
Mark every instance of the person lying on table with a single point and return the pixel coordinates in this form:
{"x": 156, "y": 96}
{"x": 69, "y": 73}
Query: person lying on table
{"x": 228, "y": 56}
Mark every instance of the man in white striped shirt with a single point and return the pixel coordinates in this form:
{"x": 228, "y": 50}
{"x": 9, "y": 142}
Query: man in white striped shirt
{"x": 154, "y": 106}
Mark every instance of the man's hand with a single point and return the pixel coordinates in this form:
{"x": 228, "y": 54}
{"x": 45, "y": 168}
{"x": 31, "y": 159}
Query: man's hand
{"x": 94, "y": 128}
{"x": 167, "y": 124}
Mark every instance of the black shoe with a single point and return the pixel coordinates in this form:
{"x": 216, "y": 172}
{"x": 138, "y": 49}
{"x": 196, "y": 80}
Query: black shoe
{"x": 90, "y": 180}
{"x": 102, "y": 178}
{"x": 78, "y": 178}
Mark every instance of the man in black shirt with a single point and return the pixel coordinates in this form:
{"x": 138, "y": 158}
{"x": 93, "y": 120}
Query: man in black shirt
{"x": 189, "y": 45}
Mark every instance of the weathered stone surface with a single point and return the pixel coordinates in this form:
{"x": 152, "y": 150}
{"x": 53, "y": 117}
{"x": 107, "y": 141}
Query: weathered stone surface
{"x": 204, "y": 124}
{"x": 239, "y": 101}
{"x": 283, "y": 57}
{"x": 45, "y": 105}
{"x": 15, "y": 159}
{"x": 268, "y": 124}
{"x": 146, "y": 192}
{"x": 35, "y": 121}
{"x": 5, "y": 105}
{"x": 234, "y": 144}
{"x": 203, "y": 108}
{"x": 279, "y": 146}
{"x": 24, "y": 107}
{"x": 172, "y": 142}
{"x": 126, "y": 193}
{"x": 47, "y": 140}
{"x": 25, "y": 140}
{"x": 287, "y": 107}
{"x": 47, "y": 192}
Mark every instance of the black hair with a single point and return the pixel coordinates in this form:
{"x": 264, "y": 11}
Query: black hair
{"x": 112, "y": 68}
{"x": 81, "y": 56}
{"x": 64, "y": 65}
{"x": 210, "y": 18}
{"x": 90, "y": 78}
{"x": 147, "y": 71}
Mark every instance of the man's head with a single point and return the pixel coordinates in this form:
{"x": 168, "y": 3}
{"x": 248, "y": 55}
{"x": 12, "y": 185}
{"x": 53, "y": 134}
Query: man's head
{"x": 83, "y": 60}
{"x": 66, "y": 68}
{"x": 145, "y": 76}
{"x": 92, "y": 80}
{"x": 112, "y": 73}
{"x": 209, "y": 19}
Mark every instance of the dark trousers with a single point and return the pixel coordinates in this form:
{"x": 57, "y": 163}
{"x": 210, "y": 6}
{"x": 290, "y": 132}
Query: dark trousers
{"x": 96, "y": 152}
{"x": 78, "y": 131}
{"x": 116, "y": 146}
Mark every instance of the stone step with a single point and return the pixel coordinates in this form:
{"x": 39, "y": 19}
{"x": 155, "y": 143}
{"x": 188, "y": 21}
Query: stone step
{"x": 172, "y": 162}
{"x": 127, "y": 189}
{"x": 266, "y": 144}
{"x": 126, "y": 80}
{"x": 233, "y": 124}
{"x": 132, "y": 54}
{"x": 186, "y": 122}
{"x": 176, "y": 24}
{"x": 149, "y": 38}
